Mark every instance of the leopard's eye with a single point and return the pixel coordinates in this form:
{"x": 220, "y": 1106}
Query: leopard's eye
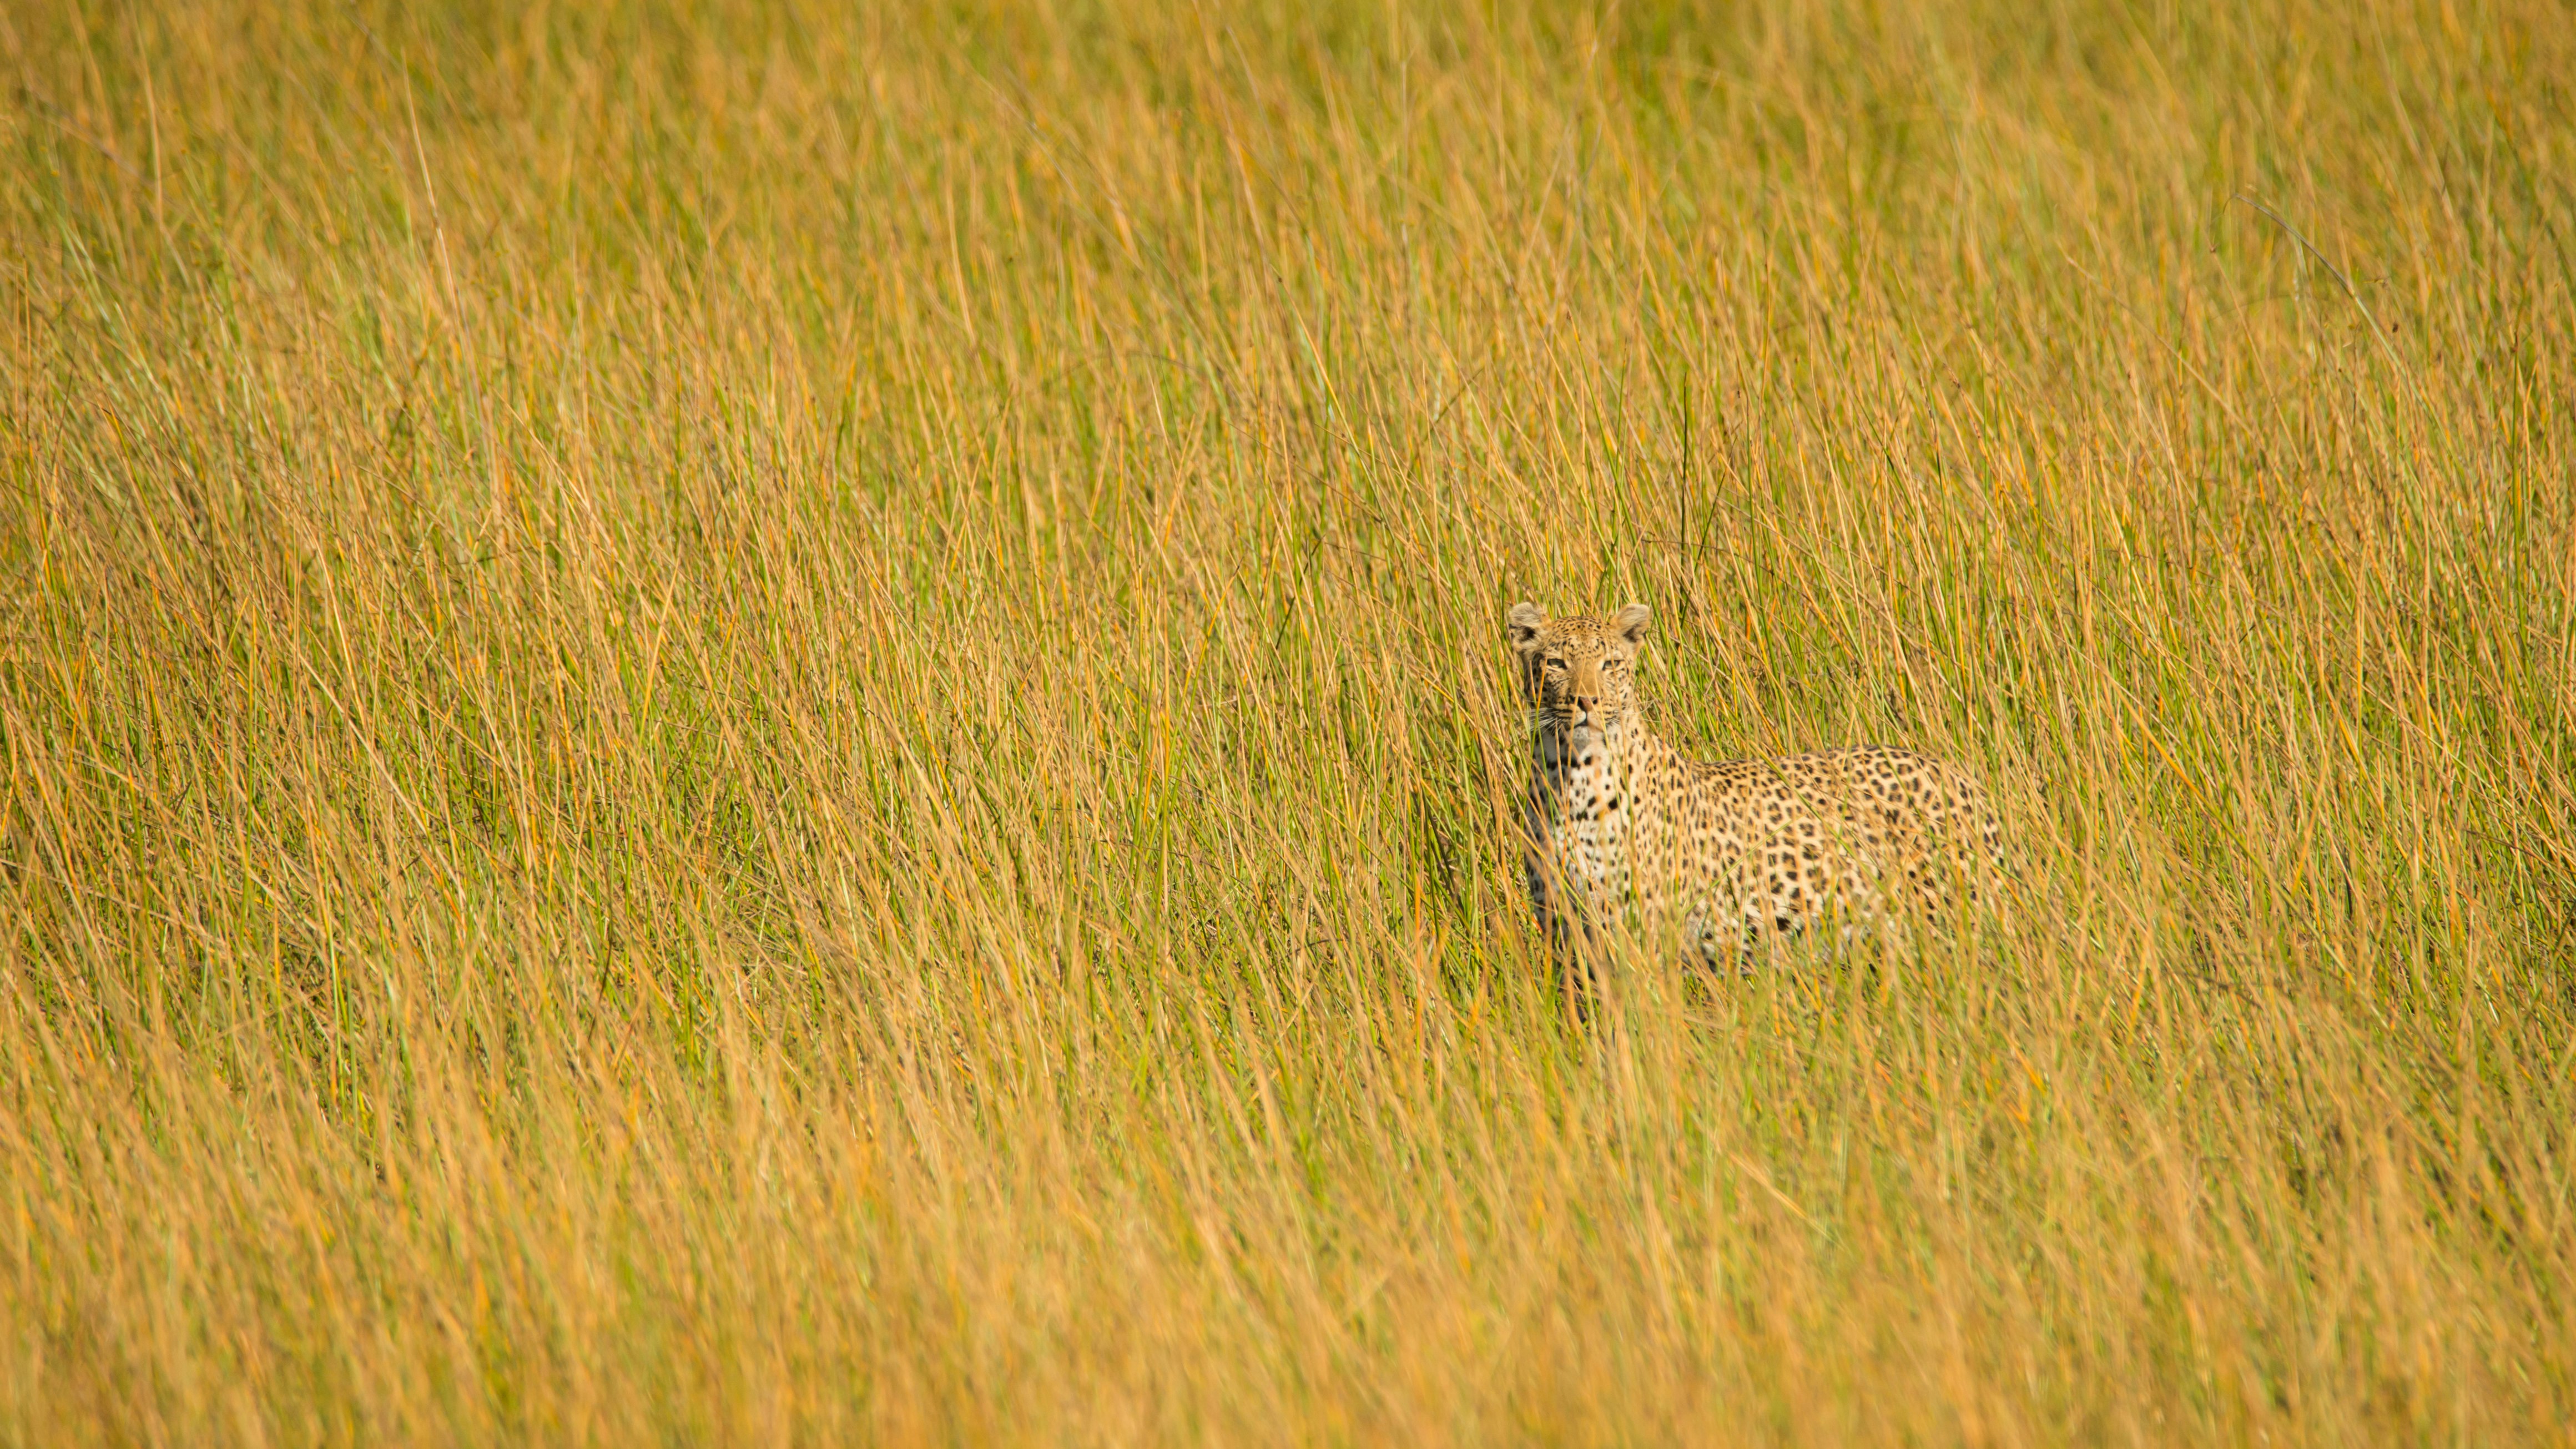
{"x": 1556, "y": 663}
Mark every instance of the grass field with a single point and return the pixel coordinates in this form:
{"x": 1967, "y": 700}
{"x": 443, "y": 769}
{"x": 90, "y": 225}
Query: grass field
{"x": 730, "y": 727}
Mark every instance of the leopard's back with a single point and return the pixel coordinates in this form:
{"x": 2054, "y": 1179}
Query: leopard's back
{"x": 1744, "y": 848}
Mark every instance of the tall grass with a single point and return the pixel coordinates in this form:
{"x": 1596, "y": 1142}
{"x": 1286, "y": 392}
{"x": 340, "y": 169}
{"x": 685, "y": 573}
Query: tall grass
{"x": 728, "y": 725}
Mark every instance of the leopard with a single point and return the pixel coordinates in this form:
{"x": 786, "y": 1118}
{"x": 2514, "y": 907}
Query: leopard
{"x": 1622, "y": 828}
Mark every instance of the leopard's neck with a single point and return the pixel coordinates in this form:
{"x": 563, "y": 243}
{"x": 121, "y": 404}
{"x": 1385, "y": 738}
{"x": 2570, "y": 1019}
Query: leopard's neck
{"x": 1576, "y": 778}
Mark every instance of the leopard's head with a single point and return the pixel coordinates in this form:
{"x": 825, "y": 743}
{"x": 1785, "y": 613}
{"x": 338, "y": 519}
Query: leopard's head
{"x": 1579, "y": 672}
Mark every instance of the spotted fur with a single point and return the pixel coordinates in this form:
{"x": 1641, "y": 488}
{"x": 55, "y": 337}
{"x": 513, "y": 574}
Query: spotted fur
{"x": 1621, "y": 822}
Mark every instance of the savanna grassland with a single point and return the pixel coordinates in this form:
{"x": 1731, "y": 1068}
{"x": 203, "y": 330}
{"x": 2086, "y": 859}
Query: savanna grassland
{"x": 731, "y": 725}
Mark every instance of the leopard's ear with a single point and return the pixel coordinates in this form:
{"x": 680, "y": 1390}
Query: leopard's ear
{"x": 1523, "y": 624}
{"x": 1631, "y": 622}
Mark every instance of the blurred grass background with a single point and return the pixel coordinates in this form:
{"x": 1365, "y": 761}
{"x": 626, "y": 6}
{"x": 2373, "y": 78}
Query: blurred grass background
{"x": 737, "y": 724}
